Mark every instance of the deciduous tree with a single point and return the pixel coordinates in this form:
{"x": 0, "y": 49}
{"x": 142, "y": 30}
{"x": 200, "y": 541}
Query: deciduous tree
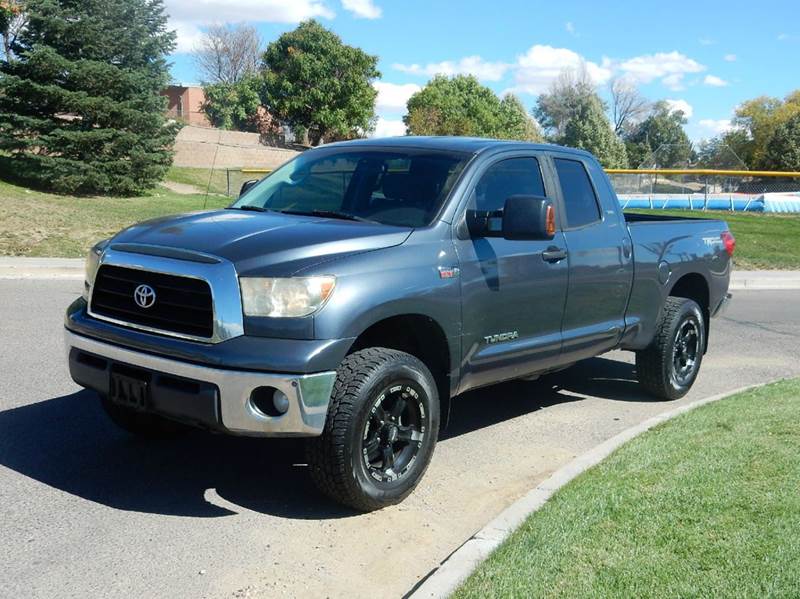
{"x": 659, "y": 139}
{"x": 574, "y": 115}
{"x": 233, "y": 105}
{"x": 628, "y": 106}
{"x": 759, "y": 119}
{"x": 783, "y": 149}
{"x": 228, "y": 53}
{"x": 460, "y": 105}
{"x": 315, "y": 82}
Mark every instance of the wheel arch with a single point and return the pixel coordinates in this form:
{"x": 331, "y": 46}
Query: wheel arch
{"x": 694, "y": 286}
{"x": 417, "y": 334}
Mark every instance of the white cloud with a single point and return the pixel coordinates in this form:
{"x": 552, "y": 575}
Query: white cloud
{"x": 729, "y": 58}
{"x": 389, "y": 128}
{"x": 570, "y": 27}
{"x": 716, "y": 126}
{"x": 705, "y": 41}
{"x": 674, "y": 82}
{"x": 189, "y": 37}
{"x": 670, "y": 67}
{"x": 470, "y": 65}
{"x": 681, "y": 105}
{"x": 263, "y": 11}
{"x": 189, "y": 16}
{"x": 393, "y": 96}
{"x": 535, "y": 70}
{"x": 714, "y": 81}
{"x": 362, "y": 9}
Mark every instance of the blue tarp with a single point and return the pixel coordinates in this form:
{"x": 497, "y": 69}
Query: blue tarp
{"x": 768, "y": 202}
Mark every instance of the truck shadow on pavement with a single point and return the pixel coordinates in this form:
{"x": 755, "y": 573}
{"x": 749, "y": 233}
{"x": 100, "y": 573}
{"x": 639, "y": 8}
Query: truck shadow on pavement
{"x": 68, "y": 443}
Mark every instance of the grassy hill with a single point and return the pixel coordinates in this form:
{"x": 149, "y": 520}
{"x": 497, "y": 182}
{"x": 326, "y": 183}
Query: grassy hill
{"x": 34, "y": 223}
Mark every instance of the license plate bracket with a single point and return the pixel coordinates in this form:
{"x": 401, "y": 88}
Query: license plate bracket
{"x": 130, "y": 389}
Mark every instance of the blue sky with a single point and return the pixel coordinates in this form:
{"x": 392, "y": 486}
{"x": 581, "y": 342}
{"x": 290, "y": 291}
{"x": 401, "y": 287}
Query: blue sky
{"x": 705, "y": 57}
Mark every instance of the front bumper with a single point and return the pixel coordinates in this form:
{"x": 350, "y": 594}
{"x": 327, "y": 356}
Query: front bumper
{"x": 219, "y": 399}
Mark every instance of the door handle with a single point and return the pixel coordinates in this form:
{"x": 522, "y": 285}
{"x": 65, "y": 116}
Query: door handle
{"x": 554, "y": 254}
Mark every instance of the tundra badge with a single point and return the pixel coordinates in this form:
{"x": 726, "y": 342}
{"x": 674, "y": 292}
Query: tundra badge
{"x": 501, "y": 337}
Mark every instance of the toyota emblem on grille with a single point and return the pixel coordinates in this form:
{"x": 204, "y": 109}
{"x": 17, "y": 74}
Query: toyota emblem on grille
{"x": 144, "y": 296}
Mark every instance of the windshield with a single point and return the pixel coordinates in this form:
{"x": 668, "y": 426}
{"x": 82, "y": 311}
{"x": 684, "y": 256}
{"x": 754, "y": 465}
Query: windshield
{"x": 391, "y": 187}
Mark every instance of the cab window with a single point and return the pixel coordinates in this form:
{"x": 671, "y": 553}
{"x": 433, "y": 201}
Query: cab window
{"x": 513, "y": 176}
{"x": 580, "y": 201}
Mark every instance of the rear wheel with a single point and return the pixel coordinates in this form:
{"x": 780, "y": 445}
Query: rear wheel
{"x": 380, "y": 432}
{"x": 669, "y": 366}
{"x": 142, "y": 424}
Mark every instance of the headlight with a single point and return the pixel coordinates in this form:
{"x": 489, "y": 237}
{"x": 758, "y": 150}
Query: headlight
{"x": 290, "y": 297}
{"x": 92, "y": 262}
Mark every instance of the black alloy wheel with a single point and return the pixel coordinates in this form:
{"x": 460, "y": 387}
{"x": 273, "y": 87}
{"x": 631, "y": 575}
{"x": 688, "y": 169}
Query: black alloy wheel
{"x": 394, "y": 432}
{"x": 380, "y": 431}
{"x": 685, "y": 351}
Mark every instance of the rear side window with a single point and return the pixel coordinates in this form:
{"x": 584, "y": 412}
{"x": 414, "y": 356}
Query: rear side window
{"x": 579, "y": 198}
{"x": 514, "y": 176}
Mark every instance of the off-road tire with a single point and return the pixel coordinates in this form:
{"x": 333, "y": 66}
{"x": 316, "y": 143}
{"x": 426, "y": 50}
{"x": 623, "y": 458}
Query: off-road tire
{"x": 338, "y": 458}
{"x": 142, "y": 424}
{"x": 655, "y": 365}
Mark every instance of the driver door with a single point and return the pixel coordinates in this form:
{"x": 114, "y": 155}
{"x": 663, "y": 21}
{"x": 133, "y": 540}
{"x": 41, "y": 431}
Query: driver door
{"x": 513, "y": 296}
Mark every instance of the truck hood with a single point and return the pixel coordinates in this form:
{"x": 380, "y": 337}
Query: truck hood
{"x": 264, "y": 243}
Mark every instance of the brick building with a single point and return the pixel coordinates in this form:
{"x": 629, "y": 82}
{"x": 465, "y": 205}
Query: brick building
{"x": 185, "y": 104}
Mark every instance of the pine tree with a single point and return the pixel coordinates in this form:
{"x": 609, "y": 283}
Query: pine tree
{"x": 80, "y": 110}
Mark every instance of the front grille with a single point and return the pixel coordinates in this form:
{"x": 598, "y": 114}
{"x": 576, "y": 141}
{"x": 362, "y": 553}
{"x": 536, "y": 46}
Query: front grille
{"x": 182, "y": 304}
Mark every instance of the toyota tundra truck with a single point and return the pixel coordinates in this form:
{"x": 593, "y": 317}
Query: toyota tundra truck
{"x": 352, "y": 294}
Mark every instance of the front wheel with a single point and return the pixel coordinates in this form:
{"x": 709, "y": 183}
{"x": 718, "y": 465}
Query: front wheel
{"x": 670, "y": 364}
{"x": 380, "y": 432}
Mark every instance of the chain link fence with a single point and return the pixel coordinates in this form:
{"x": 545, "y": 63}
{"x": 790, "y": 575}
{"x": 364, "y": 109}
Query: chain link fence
{"x": 692, "y": 183}
{"x": 698, "y": 189}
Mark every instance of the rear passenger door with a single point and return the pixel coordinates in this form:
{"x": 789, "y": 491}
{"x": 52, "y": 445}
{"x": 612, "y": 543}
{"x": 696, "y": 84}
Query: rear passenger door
{"x": 600, "y": 262}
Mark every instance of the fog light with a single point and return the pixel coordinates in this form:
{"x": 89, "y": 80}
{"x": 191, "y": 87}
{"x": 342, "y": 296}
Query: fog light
{"x": 280, "y": 401}
{"x": 269, "y": 401}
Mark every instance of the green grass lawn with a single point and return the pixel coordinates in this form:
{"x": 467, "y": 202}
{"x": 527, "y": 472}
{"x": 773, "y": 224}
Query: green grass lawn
{"x": 706, "y": 505}
{"x": 763, "y": 241}
{"x": 33, "y": 223}
{"x": 199, "y": 177}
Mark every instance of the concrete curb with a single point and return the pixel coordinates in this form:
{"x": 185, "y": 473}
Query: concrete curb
{"x": 765, "y": 279}
{"x": 41, "y": 268}
{"x": 443, "y": 580}
{"x": 72, "y": 268}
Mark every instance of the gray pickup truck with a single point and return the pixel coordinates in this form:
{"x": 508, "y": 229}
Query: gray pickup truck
{"x": 349, "y": 295}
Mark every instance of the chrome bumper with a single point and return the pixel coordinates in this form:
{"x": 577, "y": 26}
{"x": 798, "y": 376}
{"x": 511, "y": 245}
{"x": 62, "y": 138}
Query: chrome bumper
{"x": 308, "y": 394}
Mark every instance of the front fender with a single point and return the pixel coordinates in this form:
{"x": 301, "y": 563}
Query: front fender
{"x": 396, "y": 281}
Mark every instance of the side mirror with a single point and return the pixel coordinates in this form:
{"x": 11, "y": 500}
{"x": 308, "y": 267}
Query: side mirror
{"x": 529, "y": 218}
{"x": 247, "y": 186}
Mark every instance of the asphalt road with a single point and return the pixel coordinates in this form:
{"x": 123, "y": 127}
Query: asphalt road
{"x": 87, "y": 511}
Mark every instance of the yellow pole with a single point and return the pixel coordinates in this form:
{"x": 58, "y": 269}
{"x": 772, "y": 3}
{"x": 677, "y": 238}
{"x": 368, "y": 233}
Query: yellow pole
{"x": 699, "y": 171}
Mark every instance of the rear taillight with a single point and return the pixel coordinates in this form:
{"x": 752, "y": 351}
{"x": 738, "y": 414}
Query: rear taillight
{"x": 729, "y": 241}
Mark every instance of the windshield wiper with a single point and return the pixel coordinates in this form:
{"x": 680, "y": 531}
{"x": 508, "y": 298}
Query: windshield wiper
{"x": 329, "y": 214}
{"x": 249, "y": 207}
